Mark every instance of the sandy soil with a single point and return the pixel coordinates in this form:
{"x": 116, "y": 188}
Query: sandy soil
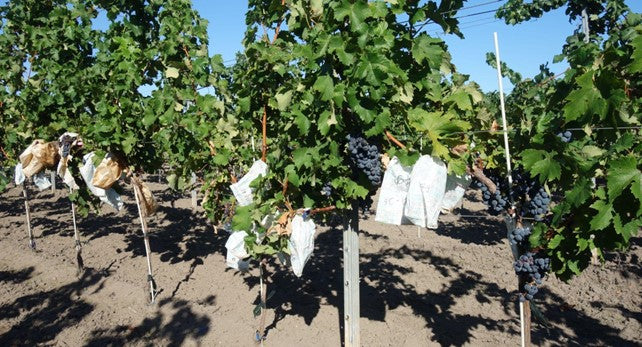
{"x": 453, "y": 286}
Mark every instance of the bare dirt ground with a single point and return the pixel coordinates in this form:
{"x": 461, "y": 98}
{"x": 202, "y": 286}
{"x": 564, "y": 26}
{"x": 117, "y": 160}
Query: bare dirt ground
{"x": 452, "y": 286}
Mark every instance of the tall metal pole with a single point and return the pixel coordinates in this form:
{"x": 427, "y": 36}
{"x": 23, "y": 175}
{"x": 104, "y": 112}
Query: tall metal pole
{"x": 79, "y": 261}
{"x": 351, "y": 302}
{"x": 32, "y": 243}
{"x": 524, "y": 307}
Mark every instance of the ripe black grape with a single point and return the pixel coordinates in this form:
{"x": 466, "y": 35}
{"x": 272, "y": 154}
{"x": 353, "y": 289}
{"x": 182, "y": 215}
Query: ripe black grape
{"x": 538, "y": 204}
{"x": 365, "y": 157}
{"x": 326, "y": 190}
{"x": 519, "y": 235}
{"x": 565, "y": 136}
{"x": 496, "y": 201}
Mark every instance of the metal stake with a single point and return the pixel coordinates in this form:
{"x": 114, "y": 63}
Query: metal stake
{"x": 148, "y": 251}
{"x": 32, "y": 243}
{"x": 79, "y": 261}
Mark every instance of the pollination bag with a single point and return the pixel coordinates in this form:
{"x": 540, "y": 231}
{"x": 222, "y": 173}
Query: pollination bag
{"x": 455, "y": 189}
{"x": 107, "y": 173}
{"x": 236, "y": 252}
{"x": 108, "y": 196}
{"x": 426, "y": 192}
{"x": 147, "y": 201}
{"x": 394, "y": 189}
{"x": 301, "y": 243}
{"x": 18, "y": 175}
{"x": 241, "y": 189}
{"x": 38, "y": 156}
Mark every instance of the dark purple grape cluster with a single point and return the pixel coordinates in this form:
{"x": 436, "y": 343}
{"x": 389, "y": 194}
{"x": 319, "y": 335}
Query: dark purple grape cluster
{"x": 519, "y": 235}
{"x": 496, "y": 201}
{"x": 326, "y": 190}
{"x": 538, "y": 204}
{"x": 565, "y": 136}
{"x": 522, "y": 183}
{"x": 365, "y": 157}
{"x": 532, "y": 268}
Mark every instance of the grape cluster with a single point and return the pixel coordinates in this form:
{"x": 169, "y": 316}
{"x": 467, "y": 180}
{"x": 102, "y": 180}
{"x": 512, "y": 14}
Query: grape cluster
{"x": 522, "y": 183}
{"x": 365, "y": 157}
{"x": 538, "y": 204}
{"x": 518, "y": 235}
{"x": 533, "y": 268}
{"x": 565, "y": 136}
{"x": 496, "y": 201}
{"x": 326, "y": 190}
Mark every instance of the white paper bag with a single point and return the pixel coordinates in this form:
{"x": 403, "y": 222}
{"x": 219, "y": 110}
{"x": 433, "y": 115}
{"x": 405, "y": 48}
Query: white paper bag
{"x": 455, "y": 189}
{"x": 109, "y": 196}
{"x": 41, "y": 180}
{"x": 426, "y": 192}
{"x": 236, "y": 252}
{"x": 19, "y": 175}
{"x": 301, "y": 243}
{"x": 394, "y": 189}
{"x": 241, "y": 189}
{"x": 66, "y": 176}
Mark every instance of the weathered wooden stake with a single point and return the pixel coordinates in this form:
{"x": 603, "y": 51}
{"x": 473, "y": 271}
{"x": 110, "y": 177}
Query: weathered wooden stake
{"x": 351, "y": 301}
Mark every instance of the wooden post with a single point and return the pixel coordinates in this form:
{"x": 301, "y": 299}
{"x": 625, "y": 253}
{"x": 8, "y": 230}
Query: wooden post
{"x": 148, "y": 251}
{"x": 32, "y": 243}
{"x": 351, "y": 300}
{"x": 194, "y": 199}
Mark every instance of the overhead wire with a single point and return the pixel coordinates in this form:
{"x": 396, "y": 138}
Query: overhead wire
{"x": 430, "y": 21}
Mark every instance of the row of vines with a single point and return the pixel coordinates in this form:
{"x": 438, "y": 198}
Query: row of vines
{"x": 320, "y": 81}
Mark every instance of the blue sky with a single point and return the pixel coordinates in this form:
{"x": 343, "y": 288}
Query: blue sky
{"x": 523, "y": 47}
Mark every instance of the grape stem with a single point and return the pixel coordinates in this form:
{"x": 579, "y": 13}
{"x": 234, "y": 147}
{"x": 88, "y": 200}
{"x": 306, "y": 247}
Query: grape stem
{"x": 5, "y": 153}
{"x": 394, "y": 140}
{"x": 323, "y": 209}
{"x": 479, "y": 174}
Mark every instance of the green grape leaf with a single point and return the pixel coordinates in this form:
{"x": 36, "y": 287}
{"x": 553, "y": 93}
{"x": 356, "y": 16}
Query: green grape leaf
{"x": 620, "y": 174}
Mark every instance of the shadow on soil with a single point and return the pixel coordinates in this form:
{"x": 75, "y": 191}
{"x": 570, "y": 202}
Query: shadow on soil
{"x": 160, "y": 329}
{"x": 180, "y": 235}
{"x": 48, "y": 313}
{"x": 383, "y": 288}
